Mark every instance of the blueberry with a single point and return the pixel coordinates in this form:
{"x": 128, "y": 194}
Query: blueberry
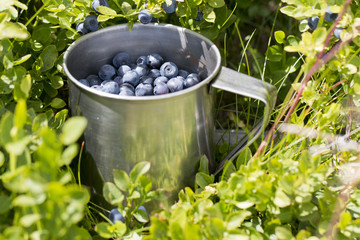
{"x": 199, "y": 16}
{"x": 183, "y": 73}
{"x": 85, "y": 82}
{"x": 144, "y": 16}
{"x": 91, "y": 23}
{"x": 123, "y": 69}
{"x": 313, "y": 22}
{"x": 97, "y": 87}
{"x": 160, "y": 79}
{"x": 111, "y": 87}
{"x": 98, "y": 3}
{"x": 147, "y": 80}
{"x": 93, "y": 79}
{"x": 107, "y": 72}
{"x": 141, "y": 70}
{"x": 104, "y": 82}
{"x": 118, "y": 79}
{"x": 141, "y": 60}
{"x": 143, "y": 89}
{"x": 127, "y": 86}
{"x": 143, "y": 209}
{"x": 131, "y": 77}
{"x": 169, "y": 69}
{"x": 154, "y": 73}
{"x": 191, "y": 80}
{"x": 161, "y": 88}
{"x": 171, "y": 8}
{"x": 154, "y": 60}
{"x": 81, "y": 28}
{"x": 126, "y": 92}
{"x": 176, "y": 84}
{"x": 115, "y": 215}
{"x": 122, "y": 58}
{"x": 329, "y": 15}
{"x": 337, "y": 32}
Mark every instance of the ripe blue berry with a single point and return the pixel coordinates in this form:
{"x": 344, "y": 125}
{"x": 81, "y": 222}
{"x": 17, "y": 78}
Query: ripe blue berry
{"x": 199, "y": 16}
{"x": 91, "y": 23}
{"x": 183, "y": 73}
{"x": 131, "y": 77}
{"x": 329, "y": 15}
{"x": 141, "y": 60}
{"x": 171, "y": 8}
{"x": 93, "y": 79}
{"x": 98, "y": 3}
{"x": 191, "y": 80}
{"x": 85, "y": 82}
{"x": 144, "y": 16}
{"x": 169, "y": 69}
{"x": 106, "y": 72}
{"x": 115, "y": 215}
{"x": 154, "y": 60}
{"x": 80, "y": 28}
{"x": 122, "y": 58}
{"x": 160, "y": 79}
{"x": 161, "y": 88}
{"x": 313, "y": 22}
{"x": 111, "y": 87}
{"x": 118, "y": 79}
{"x": 146, "y": 79}
{"x": 141, "y": 70}
{"x": 154, "y": 73}
{"x": 337, "y": 32}
{"x": 123, "y": 69}
{"x": 143, "y": 89}
{"x": 176, "y": 84}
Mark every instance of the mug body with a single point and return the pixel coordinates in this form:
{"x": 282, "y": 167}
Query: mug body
{"x": 171, "y": 131}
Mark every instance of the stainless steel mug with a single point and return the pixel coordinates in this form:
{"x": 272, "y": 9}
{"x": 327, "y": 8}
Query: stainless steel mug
{"x": 171, "y": 131}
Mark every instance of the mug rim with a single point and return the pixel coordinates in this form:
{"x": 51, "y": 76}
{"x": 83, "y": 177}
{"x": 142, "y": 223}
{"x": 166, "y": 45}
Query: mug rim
{"x": 205, "y": 81}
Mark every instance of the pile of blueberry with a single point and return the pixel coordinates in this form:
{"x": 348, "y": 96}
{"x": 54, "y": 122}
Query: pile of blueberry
{"x": 90, "y": 23}
{"x": 149, "y": 75}
{"x": 329, "y": 17}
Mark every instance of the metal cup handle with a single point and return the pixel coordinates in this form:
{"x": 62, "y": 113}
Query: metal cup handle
{"x": 242, "y": 84}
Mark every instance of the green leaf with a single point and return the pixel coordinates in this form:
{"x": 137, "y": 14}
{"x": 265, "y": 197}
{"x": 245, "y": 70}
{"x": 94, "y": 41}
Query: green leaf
{"x": 57, "y": 103}
{"x": 203, "y": 179}
{"x": 244, "y": 157}
{"x": 56, "y": 82}
{"x": 106, "y": 10}
{"x": 103, "y": 230}
{"x": 112, "y": 194}
{"x": 275, "y": 53}
{"x": 141, "y": 216}
{"x": 121, "y": 179}
{"x": 120, "y": 228}
{"x": 281, "y": 199}
{"x": 29, "y": 219}
{"x": 204, "y": 165}
{"x": 48, "y": 57}
{"x": 279, "y": 36}
{"x": 139, "y": 169}
{"x": 209, "y": 16}
{"x": 216, "y": 228}
{"x": 69, "y": 153}
{"x": 13, "y": 30}
{"x": 104, "y": 18}
{"x": 216, "y": 3}
{"x": 22, "y": 59}
{"x": 73, "y": 128}
{"x": 287, "y": 10}
{"x": 20, "y": 114}
{"x": 5, "y": 204}
{"x": 283, "y": 233}
{"x": 2, "y": 159}
{"x": 235, "y": 219}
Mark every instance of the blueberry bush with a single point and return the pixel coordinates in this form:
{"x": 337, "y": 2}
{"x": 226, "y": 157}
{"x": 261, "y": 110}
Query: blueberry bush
{"x": 299, "y": 181}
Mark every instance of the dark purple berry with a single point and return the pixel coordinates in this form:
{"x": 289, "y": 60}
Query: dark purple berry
{"x": 115, "y": 215}
{"x": 169, "y": 69}
{"x": 123, "y": 69}
{"x": 111, "y": 87}
{"x": 171, "y": 8}
{"x": 160, "y": 79}
{"x": 183, "y": 73}
{"x": 91, "y": 23}
{"x": 141, "y": 60}
{"x": 176, "y": 84}
{"x": 80, "y": 28}
{"x": 107, "y": 72}
{"x": 85, "y": 82}
{"x": 144, "y": 16}
{"x": 313, "y": 22}
{"x": 191, "y": 80}
{"x": 329, "y": 15}
{"x": 144, "y": 89}
{"x": 93, "y": 79}
{"x": 122, "y": 58}
{"x": 98, "y": 3}
{"x": 131, "y": 77}
{"x": 154, "y": 60}
{"x": 161, "y": 88}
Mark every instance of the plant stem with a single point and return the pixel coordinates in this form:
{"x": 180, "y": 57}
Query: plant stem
{"x": 319, "y": 62}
